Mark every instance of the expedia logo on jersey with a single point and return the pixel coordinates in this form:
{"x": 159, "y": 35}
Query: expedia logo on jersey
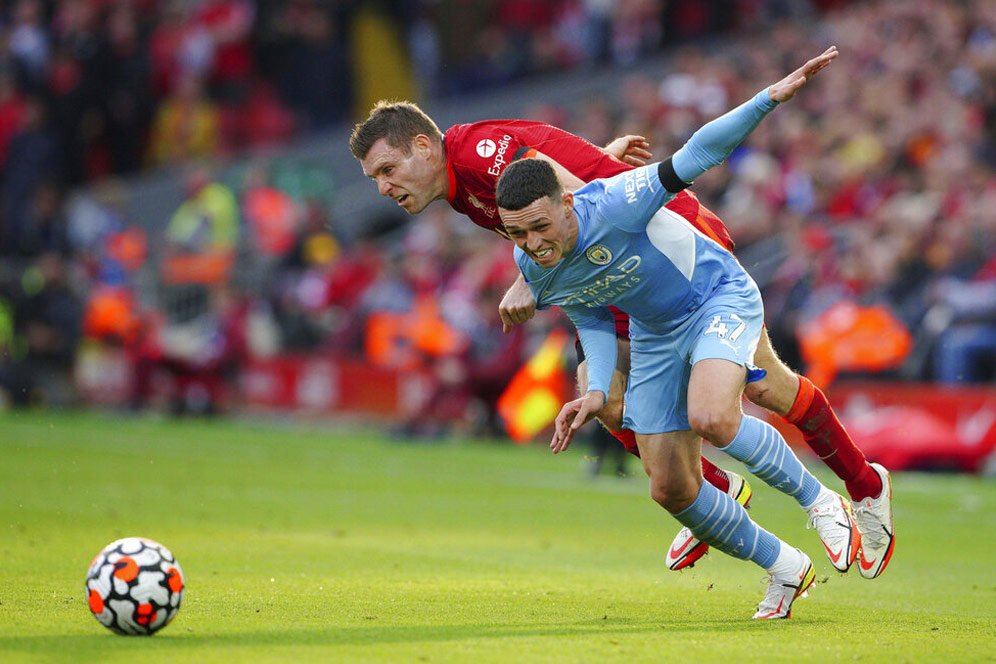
{"x": 635, "y": 181}
{"x": 476, "y": 202}
{"x": 599, "y": 254}
{"x": 499, "y": 161}
{"x": 603, "y": 291}
{"x": 486, "y": 147}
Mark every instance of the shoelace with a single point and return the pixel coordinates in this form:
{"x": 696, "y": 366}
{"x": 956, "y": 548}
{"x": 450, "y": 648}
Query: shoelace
{"x": 874, "y": 530}
{"x": 831, "y": 514}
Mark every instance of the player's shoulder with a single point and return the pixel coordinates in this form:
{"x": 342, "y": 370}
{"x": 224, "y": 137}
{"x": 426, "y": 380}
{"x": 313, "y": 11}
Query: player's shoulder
{"x": 471, "y": 132}
{"x": 469, "y": 135}
{"x": 480, "y": 147}
{"x": 533, "y": 273}
{"x": 599, "y": 192}
{"x": 525, "y": 264}
{"x": 619, "y": 200}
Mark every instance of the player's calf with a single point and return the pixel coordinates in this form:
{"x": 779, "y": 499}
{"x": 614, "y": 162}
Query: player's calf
{"x": 686, "y": 549}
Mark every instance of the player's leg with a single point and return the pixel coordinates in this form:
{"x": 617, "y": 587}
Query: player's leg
{"x": 805, "y": 406}
{"x": 611, "y": 417}
{"x": 685, "y": 549}
{"x": 671, "y": 461}
{"x": 714, "y": 413}
{"x": 721, "y": 344}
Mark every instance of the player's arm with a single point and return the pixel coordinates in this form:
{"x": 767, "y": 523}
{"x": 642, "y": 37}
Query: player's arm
{"x": 630, "y": 149}
{"x": 518, "y": 305}
{"x": 570, "y": 181}
{"x": 596, "y": 329}
{"x": 652, "y": 186}
{"x": 713, "y": 143}
{"x": 635, "y": 150}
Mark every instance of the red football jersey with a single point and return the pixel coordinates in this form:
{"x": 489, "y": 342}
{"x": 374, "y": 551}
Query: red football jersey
{"x": 477, "y": 153}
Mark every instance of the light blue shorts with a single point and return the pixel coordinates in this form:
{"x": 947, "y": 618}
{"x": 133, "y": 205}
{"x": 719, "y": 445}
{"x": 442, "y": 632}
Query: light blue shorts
{"x": 726, "y": 326}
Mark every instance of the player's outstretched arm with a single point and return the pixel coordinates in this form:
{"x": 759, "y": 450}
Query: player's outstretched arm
{"x": 786, "y": 88}
{"x": 713, "y": 142}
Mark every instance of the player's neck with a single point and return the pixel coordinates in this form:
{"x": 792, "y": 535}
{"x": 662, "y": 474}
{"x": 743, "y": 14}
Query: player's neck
{"x": 443, "y": 181}
{"x": 572, "y": 234}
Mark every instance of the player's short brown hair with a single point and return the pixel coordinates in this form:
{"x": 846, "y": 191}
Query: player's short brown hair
{"x": 397, "y": 121}
{"x": 525, "y": 181}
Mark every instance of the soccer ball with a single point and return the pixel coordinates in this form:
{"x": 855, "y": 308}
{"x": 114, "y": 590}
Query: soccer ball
{"x": 134, "y": 586}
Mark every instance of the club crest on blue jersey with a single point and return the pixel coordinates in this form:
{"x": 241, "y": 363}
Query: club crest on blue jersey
{"x": 599, "y": 254}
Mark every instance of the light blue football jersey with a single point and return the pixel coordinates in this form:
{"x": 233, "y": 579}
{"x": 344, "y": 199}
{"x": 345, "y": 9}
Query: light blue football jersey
{"x": 634, "y": 254}
{"x": 659, "y": 272}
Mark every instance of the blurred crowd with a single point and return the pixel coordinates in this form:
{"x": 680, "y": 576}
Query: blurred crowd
{"x": 875, "y": 187}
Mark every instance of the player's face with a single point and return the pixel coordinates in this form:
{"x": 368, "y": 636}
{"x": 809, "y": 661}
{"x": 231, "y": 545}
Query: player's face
{"x": 410, "y": 179}
{"x": 546, "y": 229}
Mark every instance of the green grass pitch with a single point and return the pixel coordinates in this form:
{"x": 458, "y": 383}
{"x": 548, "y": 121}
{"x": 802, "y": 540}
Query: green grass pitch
{"x": 316, "y": 544}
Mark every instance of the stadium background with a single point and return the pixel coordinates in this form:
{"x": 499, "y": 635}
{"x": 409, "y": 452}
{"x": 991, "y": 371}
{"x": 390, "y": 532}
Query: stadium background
{"x": 182, "y": 227}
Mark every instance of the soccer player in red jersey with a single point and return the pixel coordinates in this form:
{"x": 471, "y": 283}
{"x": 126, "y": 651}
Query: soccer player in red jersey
{"x": 403, "y": 151}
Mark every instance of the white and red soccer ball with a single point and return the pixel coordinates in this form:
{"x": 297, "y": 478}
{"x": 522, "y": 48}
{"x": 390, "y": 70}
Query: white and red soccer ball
{"x": 134, "y": 586}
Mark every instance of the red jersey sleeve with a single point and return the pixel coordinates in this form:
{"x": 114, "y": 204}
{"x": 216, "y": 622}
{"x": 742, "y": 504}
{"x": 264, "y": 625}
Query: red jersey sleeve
{"x": 477, "y": 154}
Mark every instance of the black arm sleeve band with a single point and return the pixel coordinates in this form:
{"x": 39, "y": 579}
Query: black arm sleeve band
{"x": 669, "y": 178}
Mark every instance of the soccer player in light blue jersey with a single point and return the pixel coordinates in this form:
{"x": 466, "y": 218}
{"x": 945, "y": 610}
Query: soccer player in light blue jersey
{"x": 695, "y": 321}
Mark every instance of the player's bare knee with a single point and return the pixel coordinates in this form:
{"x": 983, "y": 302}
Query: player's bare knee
{"x": 673, "y": 496}
{"x": 717, "y": 426}
{"x": 659, "y": 493}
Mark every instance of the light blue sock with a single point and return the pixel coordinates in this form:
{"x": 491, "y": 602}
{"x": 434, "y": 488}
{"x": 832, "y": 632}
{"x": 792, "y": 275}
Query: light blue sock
{"x": 767, "y": 455}
{"x": 722, "y": 522}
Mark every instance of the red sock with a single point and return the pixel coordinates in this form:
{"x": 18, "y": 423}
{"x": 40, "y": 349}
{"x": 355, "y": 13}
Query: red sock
{"x": 715, "y": 475}
{"x": 812, "y": 415}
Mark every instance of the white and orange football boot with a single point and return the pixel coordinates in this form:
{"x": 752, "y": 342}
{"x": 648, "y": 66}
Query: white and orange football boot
{"x": 878, "y": 536}
{"x": 784, "y": 590}
{"x": 831, "y": 516}
{"x": 686, "y": 549}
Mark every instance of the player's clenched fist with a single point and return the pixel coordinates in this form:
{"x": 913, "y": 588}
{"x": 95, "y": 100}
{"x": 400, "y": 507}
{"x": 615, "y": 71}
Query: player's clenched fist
{"x": 517, "y": 306}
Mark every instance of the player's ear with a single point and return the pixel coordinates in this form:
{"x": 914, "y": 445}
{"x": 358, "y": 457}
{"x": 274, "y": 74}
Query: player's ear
{"x": 568, "y": 199}
{"x": 421, "y": 143}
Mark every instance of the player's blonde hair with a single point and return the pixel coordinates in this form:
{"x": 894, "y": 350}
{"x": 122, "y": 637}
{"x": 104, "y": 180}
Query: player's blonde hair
{"x": 397, "y": 121}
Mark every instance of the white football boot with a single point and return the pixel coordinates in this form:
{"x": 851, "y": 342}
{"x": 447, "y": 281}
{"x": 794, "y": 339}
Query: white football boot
{"x": 831, "y": 516}
{"x": 686, "y": 548}
{"x": 783, "y": 590}
{"x": 874, "y": 519}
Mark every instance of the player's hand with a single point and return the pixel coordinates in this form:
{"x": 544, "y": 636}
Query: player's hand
{"x": 784, "y": 89}
{"x": 630, "y": 149}
{"x": 573, "y": 416}
{"x": 517, "y": 306}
